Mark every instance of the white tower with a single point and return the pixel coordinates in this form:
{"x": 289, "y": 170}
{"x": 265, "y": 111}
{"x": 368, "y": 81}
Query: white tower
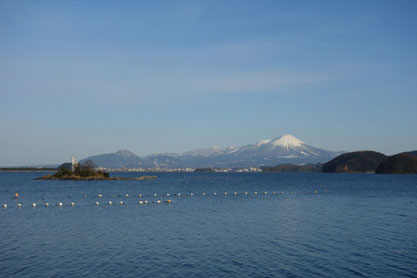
{"x": 74, "y": 163}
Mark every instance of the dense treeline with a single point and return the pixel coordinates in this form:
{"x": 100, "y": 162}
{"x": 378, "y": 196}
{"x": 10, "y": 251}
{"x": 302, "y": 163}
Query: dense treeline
{"x": 295, "y": 168}
{"x": 362, "y": 161}
{"x": 87, "y": 169}
{"x": 370, "y": 161}
{"x": 402, "y": 163}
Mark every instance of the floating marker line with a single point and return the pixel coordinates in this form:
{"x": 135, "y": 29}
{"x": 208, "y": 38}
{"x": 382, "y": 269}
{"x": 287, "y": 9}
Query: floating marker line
{"x": 140, "y": 195}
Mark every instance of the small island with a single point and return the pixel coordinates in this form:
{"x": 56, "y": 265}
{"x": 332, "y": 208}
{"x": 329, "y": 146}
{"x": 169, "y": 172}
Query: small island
{"x": 85, "y": 171}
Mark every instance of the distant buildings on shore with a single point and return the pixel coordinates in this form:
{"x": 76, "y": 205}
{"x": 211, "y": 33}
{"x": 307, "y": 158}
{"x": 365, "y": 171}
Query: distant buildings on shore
{"x": 223, "y": 170}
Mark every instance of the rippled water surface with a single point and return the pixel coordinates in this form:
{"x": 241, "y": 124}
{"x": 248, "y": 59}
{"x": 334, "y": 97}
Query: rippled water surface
{"x": 355, "y": 226}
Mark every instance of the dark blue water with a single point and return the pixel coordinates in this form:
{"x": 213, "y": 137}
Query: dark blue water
{"x": 355, "y": 226}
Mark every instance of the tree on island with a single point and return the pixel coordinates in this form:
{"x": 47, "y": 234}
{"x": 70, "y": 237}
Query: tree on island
{"x": 87, "y": 169}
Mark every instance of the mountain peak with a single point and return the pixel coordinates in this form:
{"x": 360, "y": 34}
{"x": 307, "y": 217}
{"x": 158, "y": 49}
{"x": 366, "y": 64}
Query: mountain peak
{"x": 125, "y": 153}
{"x": 287, "y": 141}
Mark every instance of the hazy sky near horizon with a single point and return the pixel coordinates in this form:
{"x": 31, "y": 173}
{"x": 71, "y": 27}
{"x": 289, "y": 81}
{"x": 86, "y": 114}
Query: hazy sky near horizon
{"x": 91, "y": 77}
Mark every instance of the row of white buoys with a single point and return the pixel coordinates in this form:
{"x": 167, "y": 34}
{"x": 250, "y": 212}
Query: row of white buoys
{"x": 60, "y": 204}
{"x": 205, "y": 194}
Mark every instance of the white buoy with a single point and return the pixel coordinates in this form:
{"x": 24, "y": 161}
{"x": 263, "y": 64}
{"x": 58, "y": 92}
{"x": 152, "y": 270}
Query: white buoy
{"x": 315, "y": 192}
{"x": 19, "y": 205}
{"x": 235, "y": 193}
{"x": 246, "y": 193}
{"x": 158, "y": 202}
{"x": 127, "y": 195}
{"x": 139, "y": 195}
{"x": 214, "y": 193}
{"x": 46, "y": 204}
{"x": 122, "y": 203}
{"x": 256, "y": 193}
{"x": 140, "y": 202}
{"x": 191, "y": 194}
{"x": 155, "y": 195}
{"x": 110, "y": 202}
{"x": 72, "y": 204}
{"x": 167, "y": 194}
{"x": 4, "y": 205}
{"x": 282, "y": 192}
{"x": 60, "y": 204}
{"x": 99, "y": 195}
{"x": 97, "y": 203}
{"x": 225, "y": 193}
{"x": 179, "y": 194}
{"x": 265, "y": 193}
{"x": 204, "y": 193}
{"x": 146, "y": 202}
{"x": 34, "y": 205}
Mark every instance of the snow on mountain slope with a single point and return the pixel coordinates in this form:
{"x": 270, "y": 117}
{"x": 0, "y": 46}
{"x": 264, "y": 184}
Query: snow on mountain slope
{"x": 269, "y": 152}
{"x": 283, "y": 149}
{"x": 287, "y": 142}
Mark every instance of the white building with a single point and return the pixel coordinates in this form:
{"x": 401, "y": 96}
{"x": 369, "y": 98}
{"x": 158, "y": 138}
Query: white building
{"x": 74, "y": 163}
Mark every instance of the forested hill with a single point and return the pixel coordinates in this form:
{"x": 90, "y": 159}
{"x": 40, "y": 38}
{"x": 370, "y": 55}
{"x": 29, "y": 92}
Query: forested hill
{"x": 362, "y": 161}
{"x": 370, "y": 161}
{"x": 402, "y": 163}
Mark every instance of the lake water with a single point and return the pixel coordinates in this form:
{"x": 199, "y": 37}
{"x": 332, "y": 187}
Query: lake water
{"x": 357, "y": 225}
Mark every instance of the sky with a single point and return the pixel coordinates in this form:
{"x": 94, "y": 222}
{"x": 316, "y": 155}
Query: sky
{"x": 92, "y": 77}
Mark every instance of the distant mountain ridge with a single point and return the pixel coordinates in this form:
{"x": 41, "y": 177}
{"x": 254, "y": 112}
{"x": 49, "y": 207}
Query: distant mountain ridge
{"x": 117, "y": 160}
{"x": 281, "y": 150}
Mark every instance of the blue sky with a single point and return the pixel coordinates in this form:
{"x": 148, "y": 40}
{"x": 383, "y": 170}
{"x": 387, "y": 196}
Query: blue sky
{"x": 90, "y": 77}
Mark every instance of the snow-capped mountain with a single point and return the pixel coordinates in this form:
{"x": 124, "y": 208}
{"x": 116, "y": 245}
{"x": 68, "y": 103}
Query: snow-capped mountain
{"x": 269, "y": 152}
{"x": 284, "y": 149}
